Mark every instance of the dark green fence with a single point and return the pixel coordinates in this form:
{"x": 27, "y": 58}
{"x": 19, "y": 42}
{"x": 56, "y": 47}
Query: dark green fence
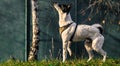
{"x": 15, "y": 25}
{"x": 12, "y": 33}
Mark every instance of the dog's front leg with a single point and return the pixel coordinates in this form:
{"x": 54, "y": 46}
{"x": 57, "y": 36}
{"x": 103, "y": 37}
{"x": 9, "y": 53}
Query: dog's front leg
{"x": 64, "y": 51}
{"x": 68, "y": 48}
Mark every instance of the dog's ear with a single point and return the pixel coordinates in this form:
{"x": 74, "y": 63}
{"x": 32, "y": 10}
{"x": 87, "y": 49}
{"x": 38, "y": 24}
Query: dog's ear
{"x": 69, "y": 5}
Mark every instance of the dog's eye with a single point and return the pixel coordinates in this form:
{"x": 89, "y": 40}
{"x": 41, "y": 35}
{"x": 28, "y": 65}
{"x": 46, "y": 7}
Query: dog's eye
{"x": 59, "y": 5}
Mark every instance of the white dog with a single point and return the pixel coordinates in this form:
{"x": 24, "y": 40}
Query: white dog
{"x": 71, "y": 32}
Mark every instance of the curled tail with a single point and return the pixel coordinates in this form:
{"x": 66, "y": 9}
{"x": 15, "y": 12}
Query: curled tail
{"x": 99, "y": 27}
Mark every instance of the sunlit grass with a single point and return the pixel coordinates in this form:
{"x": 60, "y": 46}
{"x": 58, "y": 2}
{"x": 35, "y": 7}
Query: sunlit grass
{"x": 76, "y": 62}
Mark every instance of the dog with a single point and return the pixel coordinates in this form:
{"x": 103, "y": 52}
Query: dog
{"x": 71, "y": 32}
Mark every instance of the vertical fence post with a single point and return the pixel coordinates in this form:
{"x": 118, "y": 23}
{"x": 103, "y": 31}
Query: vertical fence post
{"x": 26, "y": 30}
{"x": 35, "y": 32}
{"x": 76, "y": 22}
{"x": 52, "y": 47}
{"x": 27, "y": 27}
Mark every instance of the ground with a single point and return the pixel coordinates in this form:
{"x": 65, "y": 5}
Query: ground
{"x": 76, "y": 62}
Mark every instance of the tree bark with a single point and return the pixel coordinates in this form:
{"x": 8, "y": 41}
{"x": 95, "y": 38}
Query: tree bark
{"x": 35, "y": 32}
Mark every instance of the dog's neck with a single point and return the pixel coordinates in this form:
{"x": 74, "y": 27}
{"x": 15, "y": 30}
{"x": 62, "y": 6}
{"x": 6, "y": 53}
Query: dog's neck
{"x": 64, "y": 19}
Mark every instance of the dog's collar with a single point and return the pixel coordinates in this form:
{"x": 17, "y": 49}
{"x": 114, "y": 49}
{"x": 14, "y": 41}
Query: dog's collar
{"x": 61, "y": 29}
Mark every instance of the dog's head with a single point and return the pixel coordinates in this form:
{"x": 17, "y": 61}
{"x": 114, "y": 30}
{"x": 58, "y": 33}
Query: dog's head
{"x": 62, "y": 8}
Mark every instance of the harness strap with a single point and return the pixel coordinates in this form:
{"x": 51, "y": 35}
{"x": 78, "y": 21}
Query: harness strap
{"x": 61, "y": 29}
{"x": 71, "y": 39}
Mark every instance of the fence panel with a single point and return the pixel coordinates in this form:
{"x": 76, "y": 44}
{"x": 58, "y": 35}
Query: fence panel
{"x": 12, "y": 33}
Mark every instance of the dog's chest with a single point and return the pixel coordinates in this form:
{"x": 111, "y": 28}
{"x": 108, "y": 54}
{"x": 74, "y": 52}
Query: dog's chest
{"x": 61, "y": 29}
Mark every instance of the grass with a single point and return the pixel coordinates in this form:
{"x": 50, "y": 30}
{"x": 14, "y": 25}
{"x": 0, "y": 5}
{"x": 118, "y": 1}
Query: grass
{"x": 76, "y": 62}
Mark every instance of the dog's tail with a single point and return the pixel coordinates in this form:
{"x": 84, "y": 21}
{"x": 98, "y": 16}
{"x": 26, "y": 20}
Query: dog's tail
{"x": 99, "y": 27}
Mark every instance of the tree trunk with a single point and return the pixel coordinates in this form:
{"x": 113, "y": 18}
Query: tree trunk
{"x": 35, "y": 32}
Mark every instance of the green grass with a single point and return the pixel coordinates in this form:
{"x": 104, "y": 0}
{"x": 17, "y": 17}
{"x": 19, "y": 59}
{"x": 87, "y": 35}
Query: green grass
{"x": 77, "y": 62}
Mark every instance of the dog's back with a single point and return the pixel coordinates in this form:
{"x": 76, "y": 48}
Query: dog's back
{"x": 99, "y": 27}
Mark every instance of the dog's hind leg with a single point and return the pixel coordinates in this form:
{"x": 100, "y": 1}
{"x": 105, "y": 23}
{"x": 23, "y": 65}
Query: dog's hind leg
{"x": 97, "y": 46}
{"x": 88, "y": 47}
{"x": 68, "y": 48}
